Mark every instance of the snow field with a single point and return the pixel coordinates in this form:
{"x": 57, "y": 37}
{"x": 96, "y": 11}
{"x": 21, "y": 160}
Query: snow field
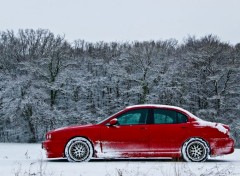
{"x": 29, "y": 159}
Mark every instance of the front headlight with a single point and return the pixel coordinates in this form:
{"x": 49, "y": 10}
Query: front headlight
{"x": 48, "y": 136}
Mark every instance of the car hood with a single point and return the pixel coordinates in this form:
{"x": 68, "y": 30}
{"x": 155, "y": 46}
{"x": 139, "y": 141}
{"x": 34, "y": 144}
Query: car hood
{"x": 72, "y": 127}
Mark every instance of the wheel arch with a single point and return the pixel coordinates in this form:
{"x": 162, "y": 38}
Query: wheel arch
{"x": 65, "y": 145}
{"x": 197, "y": 137}
{"x": 190, "y": 140}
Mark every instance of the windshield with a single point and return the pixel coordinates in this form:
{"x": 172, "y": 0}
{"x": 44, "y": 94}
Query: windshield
{"x": 101, "y": 121}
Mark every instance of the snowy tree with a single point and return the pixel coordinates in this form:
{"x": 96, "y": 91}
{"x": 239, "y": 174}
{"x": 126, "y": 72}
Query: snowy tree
{"x": 46, "y": 82}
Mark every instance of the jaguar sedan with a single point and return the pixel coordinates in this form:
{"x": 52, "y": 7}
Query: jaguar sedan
{"x": 145, "y": 131}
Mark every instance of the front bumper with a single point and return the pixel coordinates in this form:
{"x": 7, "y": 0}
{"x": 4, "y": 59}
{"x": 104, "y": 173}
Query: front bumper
{"x": 221, "y": 146}
{"x": 54, "y": 149}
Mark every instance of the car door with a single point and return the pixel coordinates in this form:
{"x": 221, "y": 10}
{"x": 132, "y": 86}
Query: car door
{"x": 130, "y": 134}
{"x": 167, "y": 131}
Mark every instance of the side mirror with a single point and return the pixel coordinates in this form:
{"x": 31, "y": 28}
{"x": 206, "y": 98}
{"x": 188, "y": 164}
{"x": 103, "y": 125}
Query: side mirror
{"x": 112, "y": 122}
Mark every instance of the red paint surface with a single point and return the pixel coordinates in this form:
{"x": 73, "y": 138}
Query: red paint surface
{"x": 140, "y": 140}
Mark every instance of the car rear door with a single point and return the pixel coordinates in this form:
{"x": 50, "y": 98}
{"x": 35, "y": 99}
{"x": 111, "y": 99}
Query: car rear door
{"x": 167, "y": 131}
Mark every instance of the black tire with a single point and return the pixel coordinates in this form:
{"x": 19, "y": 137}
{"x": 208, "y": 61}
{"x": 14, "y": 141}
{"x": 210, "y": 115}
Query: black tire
{"x": 79, "y": 149}
{"x": 195, "y": 150}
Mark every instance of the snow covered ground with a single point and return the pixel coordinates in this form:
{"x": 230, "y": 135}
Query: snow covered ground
{"x": 30, "y": 160}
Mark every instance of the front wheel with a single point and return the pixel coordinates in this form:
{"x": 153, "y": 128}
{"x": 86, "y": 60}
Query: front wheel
{"x": 195, "y": 150}
{"x": 78, "y": 149}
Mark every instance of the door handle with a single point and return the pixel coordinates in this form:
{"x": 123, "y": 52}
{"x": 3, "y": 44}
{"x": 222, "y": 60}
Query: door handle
{"x": 142, "y": 128}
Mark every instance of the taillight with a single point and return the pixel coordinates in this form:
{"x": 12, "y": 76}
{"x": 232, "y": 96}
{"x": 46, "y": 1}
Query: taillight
{"x": 228, "y": 129}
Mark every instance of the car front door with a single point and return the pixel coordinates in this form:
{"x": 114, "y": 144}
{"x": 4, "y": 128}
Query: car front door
{"x": 130, "y": 134}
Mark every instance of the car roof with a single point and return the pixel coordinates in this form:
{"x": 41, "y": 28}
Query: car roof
{"x": 155, "y": 106}
{"x": 161, "y": 106}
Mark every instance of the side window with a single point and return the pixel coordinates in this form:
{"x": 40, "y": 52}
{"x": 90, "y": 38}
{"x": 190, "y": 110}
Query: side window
{"x": 133, "y": 117}
{"x": 163, "y": 116}
{"x": 182, "y": 118}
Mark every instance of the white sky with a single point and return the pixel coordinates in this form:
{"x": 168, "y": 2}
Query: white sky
{"x": 125, "y": 20}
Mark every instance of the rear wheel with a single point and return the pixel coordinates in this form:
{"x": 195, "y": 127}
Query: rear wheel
{"x": 78, "y": 149}
{"x": 195, "y": 150}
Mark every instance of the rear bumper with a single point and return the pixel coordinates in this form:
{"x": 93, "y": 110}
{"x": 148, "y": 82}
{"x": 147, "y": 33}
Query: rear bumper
{"x": 221, "y": 146}
{"x": 54, "y": 149}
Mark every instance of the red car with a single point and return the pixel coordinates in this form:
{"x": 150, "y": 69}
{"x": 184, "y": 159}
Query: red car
{"x": 142, "y": 131}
